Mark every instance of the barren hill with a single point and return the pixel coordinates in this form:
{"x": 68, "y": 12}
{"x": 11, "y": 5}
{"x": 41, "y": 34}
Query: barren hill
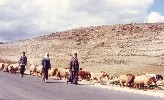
{"x": 133, "y": 48}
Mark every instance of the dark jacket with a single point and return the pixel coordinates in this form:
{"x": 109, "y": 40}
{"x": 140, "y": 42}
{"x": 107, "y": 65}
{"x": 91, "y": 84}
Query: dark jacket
{"x": 74, "y": 65}
{"x": 23, "y": 60}
{"x": 46, "y": 63}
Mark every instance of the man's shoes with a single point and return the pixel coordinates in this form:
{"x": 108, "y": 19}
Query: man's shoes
{"x": 21, "y": 75}
{"x": 45, "y": 81}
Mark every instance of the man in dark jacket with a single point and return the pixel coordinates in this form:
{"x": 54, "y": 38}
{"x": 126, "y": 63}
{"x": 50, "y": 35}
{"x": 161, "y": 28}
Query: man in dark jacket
{"x": 46, "y": 65}
{"x": 74, "y": 68}
{"x": 22, "y": 63}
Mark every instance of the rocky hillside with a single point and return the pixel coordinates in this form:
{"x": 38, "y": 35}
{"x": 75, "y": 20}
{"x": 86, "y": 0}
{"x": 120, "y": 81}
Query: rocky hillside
{"x": 120, "y": 45}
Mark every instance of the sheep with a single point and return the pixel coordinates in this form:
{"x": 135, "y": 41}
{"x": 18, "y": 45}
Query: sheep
{"x": 63, "y": 73}
{"x": 39, "y": 70}
{"x": 99, "y": 76}
{"x": 33, "y": 69}
{"x": 128, "y": 79}
{"x": 1, "y": 66}
{"x": 143, "y": 80}
{"x": 52, "y": 72}
{"x": 6, "y": 67}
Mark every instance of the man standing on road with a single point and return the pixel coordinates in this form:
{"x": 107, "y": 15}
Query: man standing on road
{"x": 74, "y": 68}
{"x": 46, "y": 65}
{"x": 22, "y": 63}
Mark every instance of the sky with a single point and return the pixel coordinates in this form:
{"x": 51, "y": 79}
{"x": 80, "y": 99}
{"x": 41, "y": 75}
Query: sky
{"x": 26, "y": 19}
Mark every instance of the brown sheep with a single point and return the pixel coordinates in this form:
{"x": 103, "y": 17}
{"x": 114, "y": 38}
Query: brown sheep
{"x": 10, "y": 68}
{"x": 52, "y": 72}
{"x": 1, "y": 66}
{"x": 104, "y": 75}
{"x": 81, "y": 75}
{"x": 33, "y": 69}
{"x": 15, "y": 68}
{"x": 144, "y": 81}
{"x": 63, "y": 73}
{"x": 6, "y": 67}
{"x": 39, "y": 70}
{"x": 128, "y": 79}
{"x": 84, "y": 74}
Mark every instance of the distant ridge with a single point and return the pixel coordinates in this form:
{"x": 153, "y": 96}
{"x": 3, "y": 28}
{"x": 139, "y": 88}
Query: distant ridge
{"x": 124, "y": 44}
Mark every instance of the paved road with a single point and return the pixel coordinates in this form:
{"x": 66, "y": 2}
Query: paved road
{"x": 14, "y": 87}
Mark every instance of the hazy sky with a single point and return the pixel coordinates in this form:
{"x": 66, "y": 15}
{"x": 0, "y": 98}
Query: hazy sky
{"x": 25, "y": 19}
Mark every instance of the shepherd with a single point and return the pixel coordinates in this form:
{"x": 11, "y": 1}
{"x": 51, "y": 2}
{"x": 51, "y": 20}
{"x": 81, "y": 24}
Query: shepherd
{"x": 22, "y": 63}
{"x": 46, "y": 65}
{"x": 74, "y": 68}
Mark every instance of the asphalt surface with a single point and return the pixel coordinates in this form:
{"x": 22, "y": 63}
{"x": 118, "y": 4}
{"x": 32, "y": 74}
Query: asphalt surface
{"x": 14, "y": 87}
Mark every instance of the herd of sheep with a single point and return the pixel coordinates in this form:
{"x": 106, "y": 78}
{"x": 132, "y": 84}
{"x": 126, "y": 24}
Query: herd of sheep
{"x": 130, "y": 80}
